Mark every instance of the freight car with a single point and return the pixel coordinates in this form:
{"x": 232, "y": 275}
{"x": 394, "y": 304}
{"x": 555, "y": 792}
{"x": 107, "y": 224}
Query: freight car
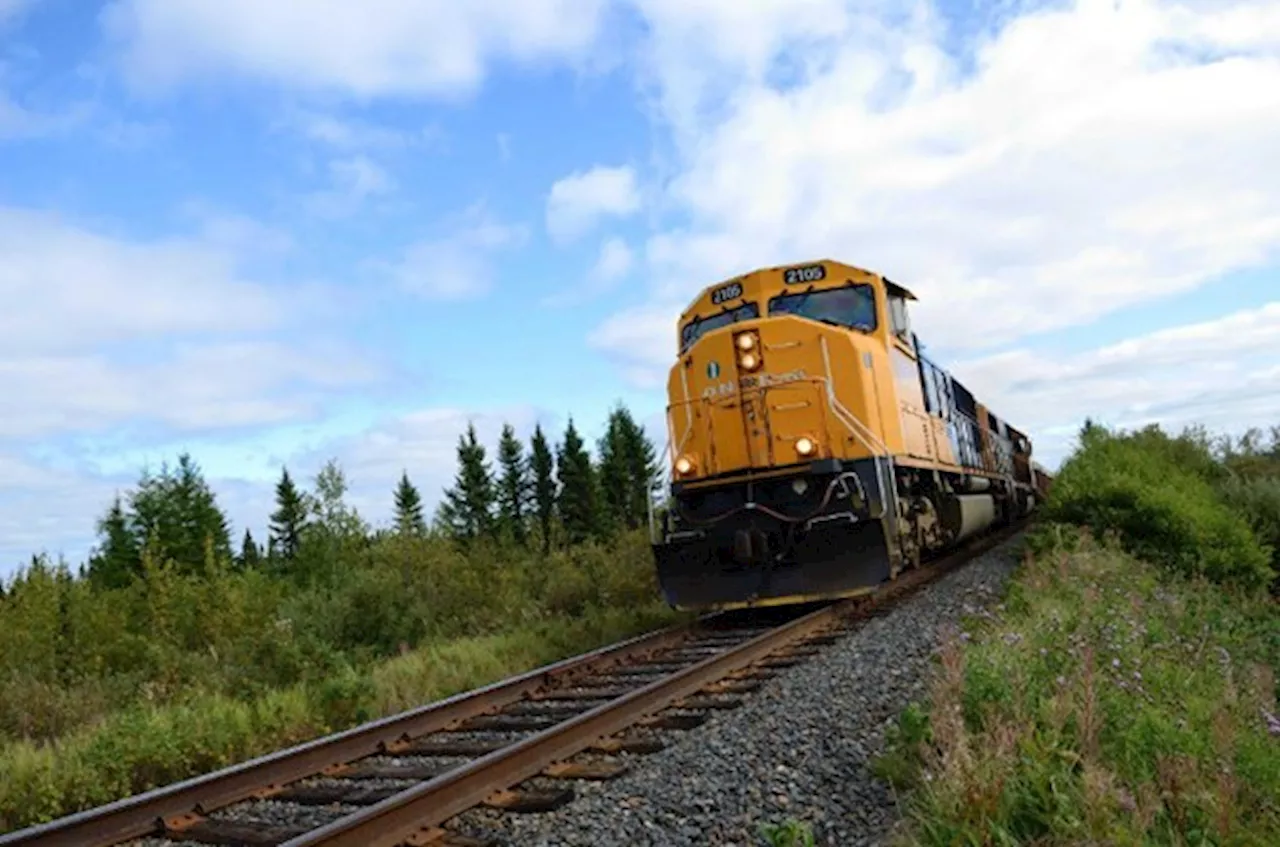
{"x": 814, "y": 451}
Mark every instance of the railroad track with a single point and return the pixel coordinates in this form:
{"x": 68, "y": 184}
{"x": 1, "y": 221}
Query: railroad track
{"x": 400, "y": 779}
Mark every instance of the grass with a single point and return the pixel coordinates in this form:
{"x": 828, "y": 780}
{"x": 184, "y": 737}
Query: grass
{"x": 788, "y": 833}
{"x": 1109, "y": 701}
{"x": 139, "y": 748}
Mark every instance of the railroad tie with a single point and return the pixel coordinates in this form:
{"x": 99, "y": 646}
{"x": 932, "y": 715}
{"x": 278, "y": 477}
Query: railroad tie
{"x": 218, "y": 831}
{"x": 704, "y": 702}
{"x": 524, "y": 801}
{"x": 594, "y": 771}
{"x": 674, "y": 721}
{"x": 508, "y": 723}
{"x": 635, "y": 746}
{"x": 436, "y": 837}
{"x": 322, "y": 795}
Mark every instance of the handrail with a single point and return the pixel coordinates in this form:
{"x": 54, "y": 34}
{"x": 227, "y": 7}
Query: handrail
{"x": 843, "y": 413}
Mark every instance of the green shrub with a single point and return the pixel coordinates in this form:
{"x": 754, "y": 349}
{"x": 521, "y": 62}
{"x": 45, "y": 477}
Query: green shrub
{"x": 210, "y": 669}
{"x": 1257, "y": 499}
{"x": 1158, "y": 496}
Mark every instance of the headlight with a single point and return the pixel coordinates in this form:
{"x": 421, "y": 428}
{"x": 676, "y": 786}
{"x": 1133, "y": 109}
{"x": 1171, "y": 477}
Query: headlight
{"x": 746, "y": 341}
{"x": 749, "y": 361}
{"x": 805, "y": 445}
{"x": 684, "y": 465}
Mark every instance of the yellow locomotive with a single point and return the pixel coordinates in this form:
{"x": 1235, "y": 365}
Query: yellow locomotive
{"x": 815, "y": 452}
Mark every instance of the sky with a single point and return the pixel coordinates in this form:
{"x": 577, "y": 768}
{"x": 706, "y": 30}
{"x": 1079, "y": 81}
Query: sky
{"x": 273, "y": 234}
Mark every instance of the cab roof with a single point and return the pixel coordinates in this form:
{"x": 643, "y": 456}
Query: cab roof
{"x": 761, "y": 280}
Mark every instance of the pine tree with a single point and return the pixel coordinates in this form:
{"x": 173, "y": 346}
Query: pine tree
{"x": 118, "y": 560}
{"x": 578, "y": 503}
{"x": 513, "y": 487}
{"x": 176, "y": 512}
{"x": 640, "y": 458}
{"x": 288, "y": 520}
{"x": 615, "y": 493}
{"x": 467, "y": 510}
{"x": 628, "y": 470}
{"x": 409, "y": 520}
{"x": 202, "y": 523}
{"x": 250, "y": 556}
{"x": 542, "y": 468}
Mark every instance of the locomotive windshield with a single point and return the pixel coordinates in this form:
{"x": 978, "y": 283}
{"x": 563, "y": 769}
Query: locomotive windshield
{"x": 698, "y": 327}
{"x": 853, "y": 306}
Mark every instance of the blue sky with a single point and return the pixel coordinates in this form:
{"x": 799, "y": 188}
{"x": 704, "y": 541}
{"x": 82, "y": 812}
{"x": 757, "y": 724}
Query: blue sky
{"x": 272, "y": 233}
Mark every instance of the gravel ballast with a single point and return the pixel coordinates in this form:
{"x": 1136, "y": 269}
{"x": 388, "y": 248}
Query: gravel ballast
{"x": 802, "y": 746}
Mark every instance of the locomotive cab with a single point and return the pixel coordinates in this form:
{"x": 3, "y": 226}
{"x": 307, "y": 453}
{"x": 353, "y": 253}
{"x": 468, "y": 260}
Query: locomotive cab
{"x": 776, "y": 477}
{"x": 814, "y": 452}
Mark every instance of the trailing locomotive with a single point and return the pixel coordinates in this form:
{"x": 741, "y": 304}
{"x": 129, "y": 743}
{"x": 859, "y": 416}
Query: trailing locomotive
{"x": 815, "y": 451}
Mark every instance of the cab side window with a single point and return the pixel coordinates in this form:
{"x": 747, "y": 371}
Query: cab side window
{"x": 899, "y": 324}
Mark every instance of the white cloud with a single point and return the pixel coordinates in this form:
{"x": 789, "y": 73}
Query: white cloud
{"x": 1221, "y": 373}
{"x": 1095, "y": 155}
{"x": 347, "y": 133}
{"x": 457, "y": 264}
{"x": 65, "y": 286}
{"x": 378, "y": 47}
{"x": 20, "y": 121}
{"x": 353, "y": 180}
{"x": 579, "y": 200}
{"x": 613, "y": 263}
{"x": 39, "y": 504}
{"x": 101, "y": 331}
{"x": 643, "y": 339}
{"x": 10, "y": 9}
{"x": 205, "y": 386}
{"x": 235, "y": 233}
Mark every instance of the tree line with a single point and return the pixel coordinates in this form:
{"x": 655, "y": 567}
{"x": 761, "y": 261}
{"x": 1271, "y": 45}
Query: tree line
{"x": 536, "y": 498}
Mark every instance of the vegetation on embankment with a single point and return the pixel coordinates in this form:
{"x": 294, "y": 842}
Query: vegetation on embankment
{"x": 165, "y": 656}
{"x": 1125, "y": 690}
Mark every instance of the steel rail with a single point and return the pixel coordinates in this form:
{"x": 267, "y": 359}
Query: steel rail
{"x": 142, "y": 814}
{"x": 433, "y": 802}
{"x": 429, "y": 804}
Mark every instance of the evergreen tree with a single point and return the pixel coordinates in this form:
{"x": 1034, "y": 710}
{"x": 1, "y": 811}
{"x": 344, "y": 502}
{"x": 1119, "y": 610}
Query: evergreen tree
{"x": 409, "y": 520}
{"x": 176, "y": 512}
{"x": 640, "y": 457}
{"x": 513, "y": 487}
{"x": 615, "y": 493}
{"x": 204, "y": 525}
{"x": 628, "y": 470}
{"x": 118, "y": 559}
{"x": 578, "y": 502}
{"x": 542, "y": 468}
{"x": 250, "y": 556}
{"x": 467, "y": 510}
{"x": 288, "y": 520}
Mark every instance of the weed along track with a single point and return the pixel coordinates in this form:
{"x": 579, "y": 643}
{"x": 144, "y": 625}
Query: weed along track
{"x": 400, "y": 780}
